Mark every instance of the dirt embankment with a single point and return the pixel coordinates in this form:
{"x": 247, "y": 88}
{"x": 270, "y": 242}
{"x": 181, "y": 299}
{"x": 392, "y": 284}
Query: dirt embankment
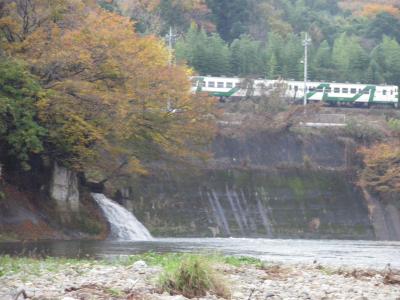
{"x": 30, "y": 214}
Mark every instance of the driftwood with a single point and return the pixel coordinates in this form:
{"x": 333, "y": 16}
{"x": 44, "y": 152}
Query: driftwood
{"x": 19, "y": 293}
{"x": 251, "y": 294}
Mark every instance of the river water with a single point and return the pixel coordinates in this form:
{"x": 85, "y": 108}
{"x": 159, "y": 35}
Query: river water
{"x": 375, "y": 254}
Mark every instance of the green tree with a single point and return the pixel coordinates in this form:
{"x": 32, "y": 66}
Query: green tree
{"x": 292, "y": 55}
{"x": 383, "y": 24}
{"x": 349, "y": 58}
{"x": 373, "y": 73}
{"x": 19, "y": 128}
{"x": 231, "y": 17}
{"x": 390, "y": 60}
{"x": 321, "y": 64}
{"x": 206, "y": 54}
{"x": 246, "y": 56}
{"x": 273, "y": 56}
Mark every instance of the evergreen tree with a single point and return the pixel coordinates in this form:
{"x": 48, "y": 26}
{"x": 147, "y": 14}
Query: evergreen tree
{"x": 349, "y": 58}
{"x": 206, "y": 54}
{"x": 292, "y": 55}
{"x": 391, "y": 60}
{"x": 273, "y": 67}
{"x": 373, "y": 73}
{"x": 231, "y": 17}
{"x": 246, "y": 56}
{"x": 321, "y": 64}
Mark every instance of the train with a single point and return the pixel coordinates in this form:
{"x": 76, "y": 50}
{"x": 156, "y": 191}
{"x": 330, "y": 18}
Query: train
{"x": 332, "y": 93}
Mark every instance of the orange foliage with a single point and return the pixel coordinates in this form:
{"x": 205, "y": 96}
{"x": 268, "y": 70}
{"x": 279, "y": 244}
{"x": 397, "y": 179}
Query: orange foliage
{"x": 108, "y": 88}
{"x": 373, "y": 9}
{"x": 382, "y": 168}
{"x": 360, "y": 7}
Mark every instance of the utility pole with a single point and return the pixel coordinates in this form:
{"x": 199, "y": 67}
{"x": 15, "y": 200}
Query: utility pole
{"x": 306, "y": 43}
{"x": 170, "y": 37}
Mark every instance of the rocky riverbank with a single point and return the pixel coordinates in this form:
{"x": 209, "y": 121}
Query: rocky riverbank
{"x": 137, "y": 279}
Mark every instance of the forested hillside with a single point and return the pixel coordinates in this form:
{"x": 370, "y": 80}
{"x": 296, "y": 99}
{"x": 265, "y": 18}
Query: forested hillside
{"x": 355, "y": 41}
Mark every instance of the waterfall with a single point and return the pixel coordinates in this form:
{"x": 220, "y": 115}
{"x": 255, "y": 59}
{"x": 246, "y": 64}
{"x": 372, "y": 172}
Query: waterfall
{"x": 124, "y": 225}
{"x": 235, "y": 209}
{"x": 218, "y": 212}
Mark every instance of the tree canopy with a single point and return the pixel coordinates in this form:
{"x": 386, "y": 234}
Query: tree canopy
{"x": 242, "y": 36}
{"x": 98, "y": 97}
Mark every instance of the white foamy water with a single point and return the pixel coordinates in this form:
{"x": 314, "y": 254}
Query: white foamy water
{"x": 124, "y": 225}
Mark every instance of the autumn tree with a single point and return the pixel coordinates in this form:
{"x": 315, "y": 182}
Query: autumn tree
{"x": 107, "y": 88}
{"x": 381, "y": 173}
{"x": 373, "y": 9}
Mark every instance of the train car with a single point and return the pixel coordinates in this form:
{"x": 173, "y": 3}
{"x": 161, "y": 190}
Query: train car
{"x": 328, "y": 92}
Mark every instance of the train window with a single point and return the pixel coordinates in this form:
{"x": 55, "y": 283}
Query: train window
{"x": 319, "y": 90}
{"x": 353, "y": 91}
{"x": 211, "y": 84}
{"x": 296, "y": 88}
{"x": 391, "y": 92}
{"x": 311, "y": 89}
{"x": 384, "y": 92}
{"x": 366, "y": 92}
{"x": 229, "y": 85}
{"x": 194, "y": 83}
{"x": 220, "y": 85}
{"x": 359, "y": 90}
{"x": 328, "y": 90}
{"x": 237, "y": 84}
{"x": 336, "y": 90}
{"x": 345, "y": 90}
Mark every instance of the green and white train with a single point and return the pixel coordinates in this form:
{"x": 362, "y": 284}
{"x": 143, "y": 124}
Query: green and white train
{"x": 328, "y": 92}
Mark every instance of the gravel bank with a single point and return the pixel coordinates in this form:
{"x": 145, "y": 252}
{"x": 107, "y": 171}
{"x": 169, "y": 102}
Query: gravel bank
{"x": 94, "y": 280}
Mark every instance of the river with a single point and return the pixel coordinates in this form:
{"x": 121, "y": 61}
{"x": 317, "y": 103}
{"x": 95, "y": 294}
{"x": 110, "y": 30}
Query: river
{"x": 374, "y": 254}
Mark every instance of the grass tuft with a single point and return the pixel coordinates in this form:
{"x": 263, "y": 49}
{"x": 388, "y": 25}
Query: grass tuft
{"x": 192, "y": 277}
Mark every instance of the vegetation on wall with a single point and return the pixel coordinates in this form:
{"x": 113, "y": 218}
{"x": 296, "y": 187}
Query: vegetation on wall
{"x": 381, "y": 172}
{"x": 382, "y": 169}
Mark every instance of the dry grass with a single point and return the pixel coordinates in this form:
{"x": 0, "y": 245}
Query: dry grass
{"x": 193, "y": 277}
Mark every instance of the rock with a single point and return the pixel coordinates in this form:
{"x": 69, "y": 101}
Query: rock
{"x": 140, "y": 264}
{"x": 64, "y": 189}
{"x": 139, "y": 279}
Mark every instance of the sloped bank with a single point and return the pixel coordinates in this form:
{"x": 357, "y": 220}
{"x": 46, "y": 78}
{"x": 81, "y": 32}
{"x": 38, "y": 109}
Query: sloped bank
{"x": 281, "y": 185}
{"x": 48, "y": 203}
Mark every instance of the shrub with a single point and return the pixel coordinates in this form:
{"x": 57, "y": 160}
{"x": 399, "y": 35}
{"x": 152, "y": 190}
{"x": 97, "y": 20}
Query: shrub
{"x": 394, "y": 125}
{"x": 363, "y": 131}
{"x": 381, "y": 173}
{"x": 192, "y": 277}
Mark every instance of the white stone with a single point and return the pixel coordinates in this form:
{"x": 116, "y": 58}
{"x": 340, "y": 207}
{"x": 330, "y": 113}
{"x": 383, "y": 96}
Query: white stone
{"x": 140, "y": 264}
{"x": 64, "y": 189}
